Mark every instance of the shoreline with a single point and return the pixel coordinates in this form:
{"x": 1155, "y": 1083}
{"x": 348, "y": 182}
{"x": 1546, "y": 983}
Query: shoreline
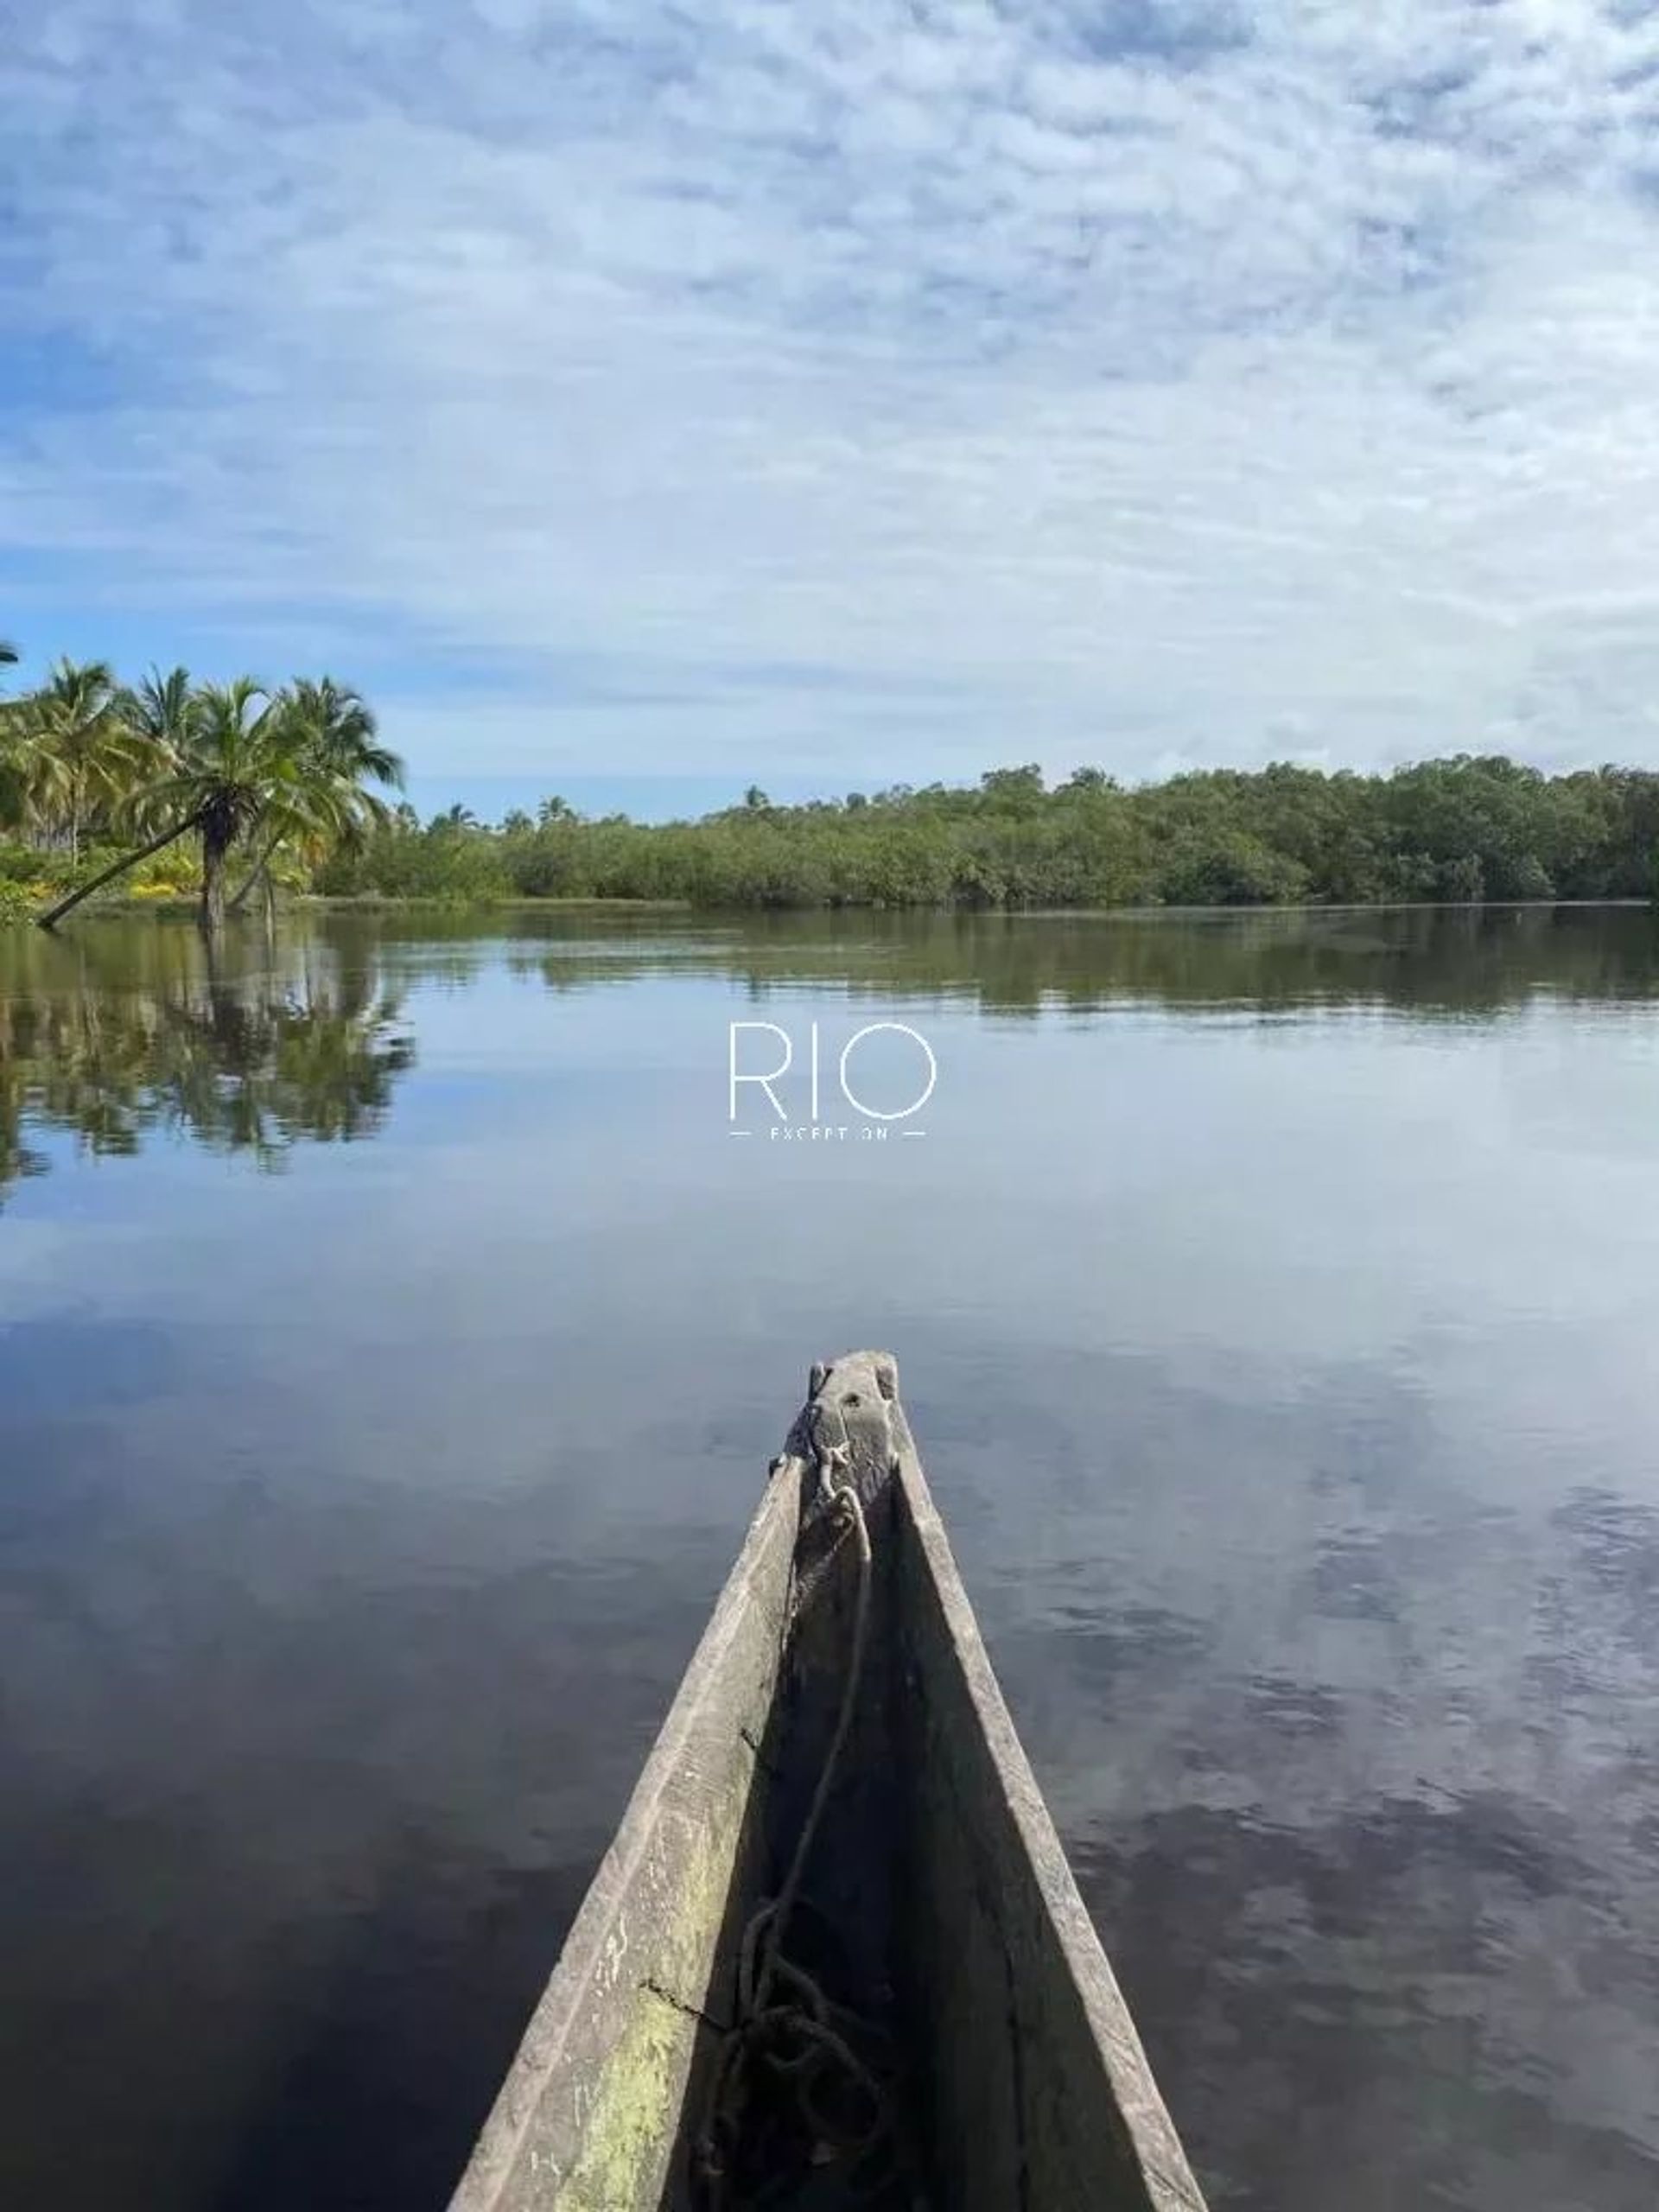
{"x": 180, "y": 905}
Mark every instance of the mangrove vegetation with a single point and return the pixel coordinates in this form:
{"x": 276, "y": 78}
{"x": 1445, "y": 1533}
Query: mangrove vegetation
{"x": 1460, "y": 830}
{"x": 228, "y": 793}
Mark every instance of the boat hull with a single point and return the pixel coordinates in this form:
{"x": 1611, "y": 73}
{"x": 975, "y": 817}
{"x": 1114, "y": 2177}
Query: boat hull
{"x": 958, "y": 1929}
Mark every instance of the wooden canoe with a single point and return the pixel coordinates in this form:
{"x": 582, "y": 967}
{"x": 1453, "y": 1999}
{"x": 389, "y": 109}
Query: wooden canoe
{"x": 935, "y": 2027}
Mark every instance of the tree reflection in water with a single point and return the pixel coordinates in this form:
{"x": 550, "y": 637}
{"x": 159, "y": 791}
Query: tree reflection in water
{"x": 129, "y": 1032}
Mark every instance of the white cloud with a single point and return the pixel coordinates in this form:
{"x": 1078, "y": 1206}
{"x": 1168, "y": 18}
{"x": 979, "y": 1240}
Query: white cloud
{"x": 1126, "y": 383}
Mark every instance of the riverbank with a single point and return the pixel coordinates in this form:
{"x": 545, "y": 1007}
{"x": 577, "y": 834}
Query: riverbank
{"x": 1460, "y": 832}
{"x": 184, "y": 905}
{"x": 24, "y": 906}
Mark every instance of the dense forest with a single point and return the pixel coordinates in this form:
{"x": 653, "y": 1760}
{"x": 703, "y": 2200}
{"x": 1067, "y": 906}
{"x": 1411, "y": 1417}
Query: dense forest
{"x": 227, "y": 793}
{"x": 1461, "y": 829}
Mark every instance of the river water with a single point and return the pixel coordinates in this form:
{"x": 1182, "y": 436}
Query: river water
{"x": 393, "y": 1334}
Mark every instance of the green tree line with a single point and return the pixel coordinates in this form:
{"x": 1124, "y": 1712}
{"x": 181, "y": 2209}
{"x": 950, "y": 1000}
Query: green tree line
{"x": 229, "y": 790}
{"x": 1461, "y": 830}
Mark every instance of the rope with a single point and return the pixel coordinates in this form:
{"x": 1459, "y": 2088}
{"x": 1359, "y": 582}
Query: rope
{"x": 844, "y": 1499}
{"x": 791, "y": 2034}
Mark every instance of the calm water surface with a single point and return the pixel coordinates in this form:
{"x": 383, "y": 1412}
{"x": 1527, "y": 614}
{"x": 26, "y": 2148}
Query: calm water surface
{"x": 392, "y": 1338}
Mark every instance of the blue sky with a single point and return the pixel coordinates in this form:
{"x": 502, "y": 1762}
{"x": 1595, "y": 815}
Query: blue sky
{"x": 833, "y": 392}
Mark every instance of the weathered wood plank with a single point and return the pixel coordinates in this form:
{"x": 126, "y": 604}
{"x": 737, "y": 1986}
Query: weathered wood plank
{"x": 589, "y": 2116}
{"x": 1041, "y": 2097}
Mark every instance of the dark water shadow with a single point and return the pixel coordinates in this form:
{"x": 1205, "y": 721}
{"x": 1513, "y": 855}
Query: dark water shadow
{"x": 375, "y": 2102}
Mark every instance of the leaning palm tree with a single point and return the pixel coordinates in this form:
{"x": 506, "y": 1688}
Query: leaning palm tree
{"x": 338, "y": 755}
{"x": 240, "y": 760}
{"x": 236, "y": 758}
{"x": 246, "y": 756}
{"x": 81, "y": 752}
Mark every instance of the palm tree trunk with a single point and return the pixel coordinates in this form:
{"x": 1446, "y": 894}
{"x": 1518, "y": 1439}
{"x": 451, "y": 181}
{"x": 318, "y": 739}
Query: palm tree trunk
{"x": 261, "y": 869}
{"x": 54, "y": 915}
{"x": 212, "y": 916}
{"x": 244, "y": 891}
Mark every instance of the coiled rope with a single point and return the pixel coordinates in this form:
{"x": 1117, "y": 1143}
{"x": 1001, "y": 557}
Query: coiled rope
{"x": 784, "y": 2018}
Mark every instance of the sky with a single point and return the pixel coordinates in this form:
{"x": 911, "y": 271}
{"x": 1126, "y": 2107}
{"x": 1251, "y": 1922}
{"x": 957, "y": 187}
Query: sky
{"x": 828, "y": 393}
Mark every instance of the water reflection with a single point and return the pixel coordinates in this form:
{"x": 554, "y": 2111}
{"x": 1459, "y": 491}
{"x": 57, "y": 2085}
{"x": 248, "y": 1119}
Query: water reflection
{"x": 133, "y": 1026}
{"x": 1355, "y": 1765}
{"x": 1274, "y": 1301}
{"x": 1451, "y": 962}
{"x": 138, "y": 1031}
{"x": 1466, "y": 962}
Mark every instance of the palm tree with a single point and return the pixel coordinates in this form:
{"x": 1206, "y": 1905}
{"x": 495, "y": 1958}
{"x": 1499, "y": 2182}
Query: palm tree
{"x": 244, "y": 756}
{"x": 79, "y": 751}
{"x": 235, "y": 755}
{"x": 338, "y": 753}
{"x": 161, "y": 711}
{"x": 341, "y": 736}
{"x": 240, "y": 760}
